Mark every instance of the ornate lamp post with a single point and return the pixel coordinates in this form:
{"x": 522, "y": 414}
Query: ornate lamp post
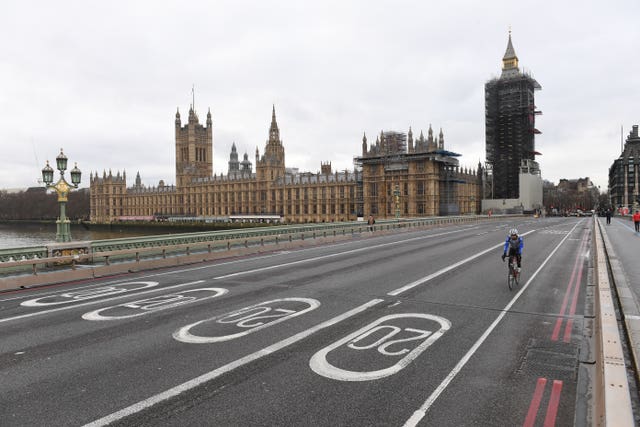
{"x": 62, "y": 187}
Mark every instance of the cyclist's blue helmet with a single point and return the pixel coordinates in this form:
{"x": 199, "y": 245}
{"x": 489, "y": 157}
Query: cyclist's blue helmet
{"x": 514, "y": 231}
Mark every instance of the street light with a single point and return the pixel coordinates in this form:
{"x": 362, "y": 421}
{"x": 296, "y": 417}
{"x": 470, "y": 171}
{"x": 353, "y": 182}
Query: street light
{"x": 62, "y": 188}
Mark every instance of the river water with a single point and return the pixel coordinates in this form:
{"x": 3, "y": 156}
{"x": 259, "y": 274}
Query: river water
{"x": 25, "y": 235}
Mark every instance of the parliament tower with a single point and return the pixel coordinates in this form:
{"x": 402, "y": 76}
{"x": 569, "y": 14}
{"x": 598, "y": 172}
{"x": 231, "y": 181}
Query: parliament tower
{"x": 194, "y": 149}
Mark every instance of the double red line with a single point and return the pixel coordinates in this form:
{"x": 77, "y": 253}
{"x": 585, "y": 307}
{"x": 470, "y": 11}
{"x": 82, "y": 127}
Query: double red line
{"x": 572, "y": 287}
{"x": 552, "y": 406}
{"x": 568, "y": 310}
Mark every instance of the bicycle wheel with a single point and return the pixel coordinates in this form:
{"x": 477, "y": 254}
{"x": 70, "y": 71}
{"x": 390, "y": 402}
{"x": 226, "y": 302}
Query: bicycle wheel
{"x": 510, "y": 279}
{"x": 516, "y": 277}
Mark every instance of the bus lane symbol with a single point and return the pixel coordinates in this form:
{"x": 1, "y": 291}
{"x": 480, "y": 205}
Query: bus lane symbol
{"x": 386, "y": 346}
{"x": 246, "y": 320}
{"x": 86, "y": 294}
{"x": 153, "y": 304}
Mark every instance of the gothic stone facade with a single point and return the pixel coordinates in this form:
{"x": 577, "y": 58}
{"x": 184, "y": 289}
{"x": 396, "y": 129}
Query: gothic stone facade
{"x": 420, "y": 180}
{"x": 429, "y": 181}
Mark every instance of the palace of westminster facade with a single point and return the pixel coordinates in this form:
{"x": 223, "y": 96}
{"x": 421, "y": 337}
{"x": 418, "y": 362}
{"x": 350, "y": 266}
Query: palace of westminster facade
{"x": 395, "y": 176}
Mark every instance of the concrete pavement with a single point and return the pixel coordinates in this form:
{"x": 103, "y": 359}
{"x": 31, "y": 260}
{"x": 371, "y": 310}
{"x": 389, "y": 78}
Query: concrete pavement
{"x": 622, "y": 244}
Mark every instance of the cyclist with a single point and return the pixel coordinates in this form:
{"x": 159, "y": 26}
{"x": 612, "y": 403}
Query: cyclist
{"x": 513, "y": 246}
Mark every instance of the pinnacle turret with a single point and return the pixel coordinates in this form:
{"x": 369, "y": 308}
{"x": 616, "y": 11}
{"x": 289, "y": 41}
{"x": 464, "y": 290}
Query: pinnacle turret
{"x": 509, "y": 60}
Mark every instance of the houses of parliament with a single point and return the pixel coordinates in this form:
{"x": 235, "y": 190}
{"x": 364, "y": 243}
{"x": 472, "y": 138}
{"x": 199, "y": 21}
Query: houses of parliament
{"x": 395, "y": 176}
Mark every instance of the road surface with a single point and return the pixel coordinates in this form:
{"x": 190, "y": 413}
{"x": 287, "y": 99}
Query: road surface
{"x": 411, "y": 328}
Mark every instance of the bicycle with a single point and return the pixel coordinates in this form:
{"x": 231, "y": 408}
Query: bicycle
{"x": 514, "y": 276}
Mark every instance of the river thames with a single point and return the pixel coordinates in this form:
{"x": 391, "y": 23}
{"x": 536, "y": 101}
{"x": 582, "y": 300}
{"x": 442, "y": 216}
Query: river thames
{"x": 26, "y": 235}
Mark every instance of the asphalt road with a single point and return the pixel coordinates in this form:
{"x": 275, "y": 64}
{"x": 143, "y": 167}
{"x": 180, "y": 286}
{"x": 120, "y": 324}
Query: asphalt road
{"x": 412, "y": 328}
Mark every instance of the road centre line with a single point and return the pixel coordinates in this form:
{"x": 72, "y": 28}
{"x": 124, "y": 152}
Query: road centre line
{"x": 53, "y": 310}
{"x": 166, "y": 273}
{"x": 422, "y": 411}
{"x": 446, "y": 269}
{"x": 351, "y": 251}
{"x": 195, "y": 382}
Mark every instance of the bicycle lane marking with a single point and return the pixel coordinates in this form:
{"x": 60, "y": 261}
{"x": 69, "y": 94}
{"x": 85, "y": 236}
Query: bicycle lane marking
{"x": 422, "y": 411}
{"x": 188, "y": 385}
{"x": 53, "y": 310}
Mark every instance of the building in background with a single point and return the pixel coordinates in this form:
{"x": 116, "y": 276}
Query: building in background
{"x": 623, "y": 174}
{"x": 390, "y": 180}
{"x": 407, "y": 178}
{"x": 571, "y": 197}
{"x": 513, "y": 180}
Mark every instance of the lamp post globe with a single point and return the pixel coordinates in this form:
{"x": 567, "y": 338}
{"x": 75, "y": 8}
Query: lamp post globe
{"x": 75, "y": 175}
{"x": 47, "y": 174}
{"x": 61, "y": 161}
{"x": 62, "y": 189}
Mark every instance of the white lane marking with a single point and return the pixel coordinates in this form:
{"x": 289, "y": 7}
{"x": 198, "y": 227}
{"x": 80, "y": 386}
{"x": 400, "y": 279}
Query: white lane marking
{"x": 157, "y": 303}
{"x": 302, "y": 261}
{"x": 321, "y": 366}
{"x": 249, "y": 314}
{"x": 84, "y": 304}
{"x": 422, "y": 411}
{"x": 188, "y": 385}
{"x": 72, "y": 296}
{"x": 446, "y": 269}
{"x": 632, "y": 317}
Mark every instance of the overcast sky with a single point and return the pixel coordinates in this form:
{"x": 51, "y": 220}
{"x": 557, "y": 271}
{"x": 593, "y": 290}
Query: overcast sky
{"x": 103, "y": 79}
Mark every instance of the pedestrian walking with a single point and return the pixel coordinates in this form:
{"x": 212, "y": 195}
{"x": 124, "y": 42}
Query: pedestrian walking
{"x": 608, "y": 214}
{"x": 370, "y": 222}
{"x": 636, "y": 221}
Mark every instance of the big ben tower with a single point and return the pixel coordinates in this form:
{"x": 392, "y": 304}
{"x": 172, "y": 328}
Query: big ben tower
{"x": 510, "y": 127}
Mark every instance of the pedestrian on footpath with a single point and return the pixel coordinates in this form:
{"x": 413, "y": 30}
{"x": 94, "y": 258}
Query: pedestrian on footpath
{"x": 608, "y": 216}
{"x": 370, "y": 222}
{"x": 636, "y": 221}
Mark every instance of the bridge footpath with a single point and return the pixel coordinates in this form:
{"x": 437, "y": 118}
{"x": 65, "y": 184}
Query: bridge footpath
{"x": 622, "y": 245}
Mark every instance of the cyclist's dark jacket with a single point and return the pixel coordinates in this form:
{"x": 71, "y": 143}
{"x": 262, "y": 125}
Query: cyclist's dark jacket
{"x": 517, "y": 244}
